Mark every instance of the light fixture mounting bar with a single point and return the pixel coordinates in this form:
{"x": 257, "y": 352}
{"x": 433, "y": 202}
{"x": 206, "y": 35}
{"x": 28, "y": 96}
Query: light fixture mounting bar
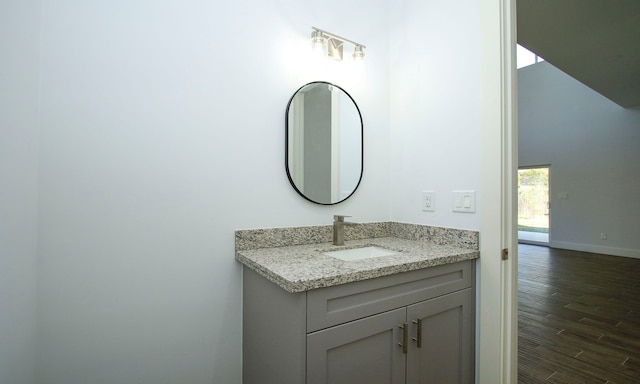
{"x": 334, "y": 36}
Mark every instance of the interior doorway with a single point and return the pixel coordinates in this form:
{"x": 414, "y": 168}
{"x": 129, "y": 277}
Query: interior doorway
{"x": 533, "y": 205}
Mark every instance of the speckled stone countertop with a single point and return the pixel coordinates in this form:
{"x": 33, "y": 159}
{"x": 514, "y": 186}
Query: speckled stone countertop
{"x": 293, "y": 257}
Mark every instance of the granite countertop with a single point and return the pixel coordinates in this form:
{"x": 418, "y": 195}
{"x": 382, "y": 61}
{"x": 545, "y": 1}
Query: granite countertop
{"x": 304, "y": 267}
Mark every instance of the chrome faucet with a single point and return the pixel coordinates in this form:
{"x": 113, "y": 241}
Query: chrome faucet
{"x": 338, "y": 229}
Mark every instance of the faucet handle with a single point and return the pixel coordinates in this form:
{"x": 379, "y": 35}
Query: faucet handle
{"x": 339, "y": 218}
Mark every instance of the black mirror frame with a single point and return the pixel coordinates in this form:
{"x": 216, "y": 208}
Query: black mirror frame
{"x": 286, "y": 144}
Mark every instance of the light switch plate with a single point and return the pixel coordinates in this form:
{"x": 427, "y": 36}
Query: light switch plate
{"x": 464, "y": 201}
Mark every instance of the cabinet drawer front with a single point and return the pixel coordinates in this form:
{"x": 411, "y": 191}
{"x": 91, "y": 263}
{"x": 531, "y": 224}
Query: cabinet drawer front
{"x": 330, "y": 306}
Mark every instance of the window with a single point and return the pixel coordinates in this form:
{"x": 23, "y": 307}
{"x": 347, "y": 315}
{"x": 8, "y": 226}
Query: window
{"x": 533, "y": 205}
{"x": 525, "y": 57}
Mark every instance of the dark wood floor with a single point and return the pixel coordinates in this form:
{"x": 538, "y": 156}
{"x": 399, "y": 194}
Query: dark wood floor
{"x": 579, "y": 317}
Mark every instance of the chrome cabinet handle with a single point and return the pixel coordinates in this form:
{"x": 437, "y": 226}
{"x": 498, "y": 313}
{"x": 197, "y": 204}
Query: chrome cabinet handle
{"x": 405, "y": 337}
{"x": 418, "y": 339}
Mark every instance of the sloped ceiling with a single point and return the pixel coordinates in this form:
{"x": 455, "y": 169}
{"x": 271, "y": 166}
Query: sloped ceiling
{"x": 597, "y": 42}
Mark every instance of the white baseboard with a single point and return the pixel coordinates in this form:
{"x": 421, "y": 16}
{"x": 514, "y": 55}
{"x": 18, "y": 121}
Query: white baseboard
{"x": 533, "y": 242}
{"x": 625, "y": 252}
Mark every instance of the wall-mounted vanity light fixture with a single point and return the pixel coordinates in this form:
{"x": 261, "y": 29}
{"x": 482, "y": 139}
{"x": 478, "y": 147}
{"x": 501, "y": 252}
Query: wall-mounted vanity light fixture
{"x": 334, "y": 45}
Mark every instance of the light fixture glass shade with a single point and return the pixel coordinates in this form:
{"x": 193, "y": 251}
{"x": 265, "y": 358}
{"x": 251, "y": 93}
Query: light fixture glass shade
{"x": 317, "y": 42}
{"x": 358, "y": 53}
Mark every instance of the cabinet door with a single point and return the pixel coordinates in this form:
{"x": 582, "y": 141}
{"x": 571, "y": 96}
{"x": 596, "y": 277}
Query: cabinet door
{"x": 364, "y": 351}
{"x": 445, "y": 354}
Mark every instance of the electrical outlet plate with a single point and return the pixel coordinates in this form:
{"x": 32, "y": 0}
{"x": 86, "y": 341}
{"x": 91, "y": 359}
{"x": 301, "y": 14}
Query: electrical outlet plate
{"x": 428, "y": 201}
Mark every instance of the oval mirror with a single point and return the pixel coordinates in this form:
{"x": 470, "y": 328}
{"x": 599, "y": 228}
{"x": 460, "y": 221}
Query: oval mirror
{"x": 324, "y": 153}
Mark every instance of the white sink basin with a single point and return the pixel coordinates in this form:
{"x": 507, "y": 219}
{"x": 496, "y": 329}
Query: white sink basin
{"x": 360, "y": 253}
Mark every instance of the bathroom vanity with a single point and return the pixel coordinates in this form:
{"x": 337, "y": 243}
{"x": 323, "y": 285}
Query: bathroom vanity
{"x": 404, "y": 317}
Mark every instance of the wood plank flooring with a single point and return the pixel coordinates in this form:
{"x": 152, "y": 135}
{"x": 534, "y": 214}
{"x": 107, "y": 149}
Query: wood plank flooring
{"x": 578, "y": 317}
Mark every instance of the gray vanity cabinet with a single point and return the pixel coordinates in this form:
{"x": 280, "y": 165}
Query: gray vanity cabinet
{"x": 362, "y": 332}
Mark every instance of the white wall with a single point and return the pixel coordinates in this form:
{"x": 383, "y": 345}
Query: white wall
{"x": 435, "y": 108}
{"x": 592, "y": 146}
{"x": 162, "y": 132}
{"x": 19, "y": 28}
